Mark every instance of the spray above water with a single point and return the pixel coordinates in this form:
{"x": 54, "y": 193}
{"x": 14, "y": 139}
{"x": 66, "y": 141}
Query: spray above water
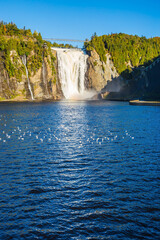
{"x": 72, "y": 66}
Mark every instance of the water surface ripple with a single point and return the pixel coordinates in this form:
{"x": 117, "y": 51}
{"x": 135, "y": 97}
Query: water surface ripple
{"x": 79, "y": 170}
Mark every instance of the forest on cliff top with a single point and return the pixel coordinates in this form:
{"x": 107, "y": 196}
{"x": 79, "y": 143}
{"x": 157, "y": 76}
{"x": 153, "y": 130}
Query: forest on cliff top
{"x": 127, "y": 51}
{"x": 24, "y": 42}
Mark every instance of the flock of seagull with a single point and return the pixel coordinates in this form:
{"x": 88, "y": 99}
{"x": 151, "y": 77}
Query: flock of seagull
{"x": 61, "y": 135}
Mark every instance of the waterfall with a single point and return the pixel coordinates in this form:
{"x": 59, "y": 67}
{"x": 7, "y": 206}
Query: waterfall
{"x": 72, "y": 66}
{"x": 24, "y": 61}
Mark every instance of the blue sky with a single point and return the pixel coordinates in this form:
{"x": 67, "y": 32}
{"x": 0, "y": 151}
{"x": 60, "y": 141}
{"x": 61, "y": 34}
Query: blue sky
{"x": 80, "y": 19}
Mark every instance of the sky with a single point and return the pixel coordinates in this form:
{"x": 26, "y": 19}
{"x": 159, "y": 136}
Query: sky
{"x": 73, "y": 19}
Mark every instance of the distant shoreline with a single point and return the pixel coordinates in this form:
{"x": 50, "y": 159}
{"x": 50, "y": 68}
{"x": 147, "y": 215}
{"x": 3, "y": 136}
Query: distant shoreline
{"x": 144, "y": 103}
{"x": 132, "y": 102}
{"x": 28, "y": 101}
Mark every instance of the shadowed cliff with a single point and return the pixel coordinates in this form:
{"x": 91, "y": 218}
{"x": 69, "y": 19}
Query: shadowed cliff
{"x": 124, "y": 67}
{"x": 144, "y": 84}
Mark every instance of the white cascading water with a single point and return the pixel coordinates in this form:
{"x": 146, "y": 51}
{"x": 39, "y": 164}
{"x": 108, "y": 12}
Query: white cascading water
{"x": 24, "y": 61}
{"x": 72, "y": 66}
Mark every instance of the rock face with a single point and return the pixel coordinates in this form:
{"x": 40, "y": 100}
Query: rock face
{"x": 100, "y": 74}
{"x": 148, "y": 82}
{"x": 43, "y": 83}
{"x": 7, "y": 87}
{"x": 144, "y": 86}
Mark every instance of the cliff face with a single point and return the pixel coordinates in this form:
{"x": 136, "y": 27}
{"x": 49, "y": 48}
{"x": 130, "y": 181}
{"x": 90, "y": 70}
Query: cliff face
{"x": 144, "y": 86}
{"x": 44, "y": 83}
{"x": 148, "y": 82}
{"x": 98, "y": 73}
{"x": 29, "y": 67}
{"x": 39, "y": 85}
{"x": 101, "y": 76}
{"x": 104, "y": 78}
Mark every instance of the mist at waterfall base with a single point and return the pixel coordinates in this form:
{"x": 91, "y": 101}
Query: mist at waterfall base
{"x": 79, "y": 170}
{"x": 72, "y": 66}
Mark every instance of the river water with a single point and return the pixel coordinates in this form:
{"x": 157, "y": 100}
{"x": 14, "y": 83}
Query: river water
{"x": 79, "y": 170}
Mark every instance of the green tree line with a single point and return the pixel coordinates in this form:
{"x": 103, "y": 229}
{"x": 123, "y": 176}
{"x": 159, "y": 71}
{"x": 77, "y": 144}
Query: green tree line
{"x": 127, "y": 51}
{"x": 24, "y": 43}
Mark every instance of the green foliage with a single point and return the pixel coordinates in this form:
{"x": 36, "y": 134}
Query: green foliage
{"x": 2, "y": 43}
{"x": 95, "y": 63}
{"x": 126, "y": 50}
{"x": 9, "y": 66}
{"x": 52, "y": 59}
{"x": 24, "y": 43}
{"x": 10, "y": 29}
{"x": 38, "y": 37}
{"x": 62, "y": 45}
{"x": 97, "y": 44}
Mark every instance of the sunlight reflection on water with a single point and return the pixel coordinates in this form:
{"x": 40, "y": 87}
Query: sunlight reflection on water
{"x": 72, "y": 170}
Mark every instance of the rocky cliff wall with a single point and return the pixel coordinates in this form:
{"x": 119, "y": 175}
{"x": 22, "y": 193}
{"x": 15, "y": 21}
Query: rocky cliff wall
{"x": 148, "y": 82}
{"x": 102, "y": 75}
{"x": 104, "y": 78}
{"x": 43, "y": 81}
{"x": 144, "y": 86}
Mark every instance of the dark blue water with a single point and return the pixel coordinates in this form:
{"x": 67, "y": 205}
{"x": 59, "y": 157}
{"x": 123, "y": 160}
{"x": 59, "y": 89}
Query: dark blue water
{"x": 79, "y": 170}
